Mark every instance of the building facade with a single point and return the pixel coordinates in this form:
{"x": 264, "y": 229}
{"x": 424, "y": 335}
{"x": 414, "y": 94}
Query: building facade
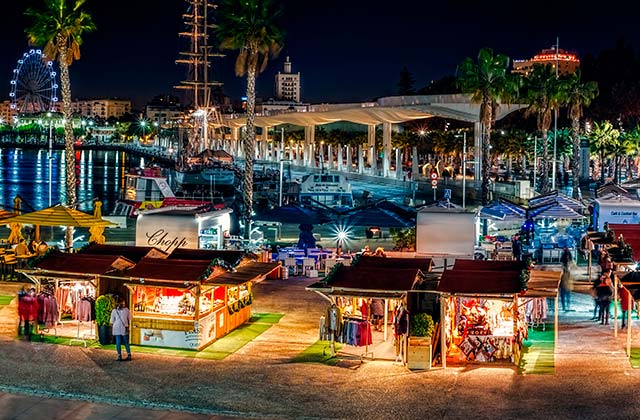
{"x": 101, "y": 108}
{"x": 567, "y": 62}
{"x": 288, "y": 84}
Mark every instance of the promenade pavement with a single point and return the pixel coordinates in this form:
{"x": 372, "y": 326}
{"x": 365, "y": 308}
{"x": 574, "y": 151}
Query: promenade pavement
{"x": 593, "y": 378}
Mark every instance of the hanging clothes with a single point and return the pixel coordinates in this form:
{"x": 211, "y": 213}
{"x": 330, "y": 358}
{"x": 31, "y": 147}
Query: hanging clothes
{"x": 356, "y": 333}
{"x": 536, "y": 310}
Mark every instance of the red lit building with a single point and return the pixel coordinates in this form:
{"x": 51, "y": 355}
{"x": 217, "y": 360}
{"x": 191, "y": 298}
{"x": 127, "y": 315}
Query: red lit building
{"x": 567, "y": 62}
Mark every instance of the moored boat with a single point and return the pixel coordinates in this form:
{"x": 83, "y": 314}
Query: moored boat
{"x": 148, "y": 189}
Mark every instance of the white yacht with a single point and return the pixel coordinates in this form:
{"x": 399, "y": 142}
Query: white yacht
{"x": 326, "y": 190}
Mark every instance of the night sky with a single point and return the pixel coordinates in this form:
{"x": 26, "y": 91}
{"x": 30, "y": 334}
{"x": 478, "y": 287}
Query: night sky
{"x": 348, "y": 50}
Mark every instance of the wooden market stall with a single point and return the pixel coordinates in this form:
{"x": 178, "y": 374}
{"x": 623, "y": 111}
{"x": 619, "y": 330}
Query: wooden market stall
{"x": 486, "y": 309}
{"x": 74, "y": 281}
{"x": 352, "y": 291}
{"x": 183, "y": 303}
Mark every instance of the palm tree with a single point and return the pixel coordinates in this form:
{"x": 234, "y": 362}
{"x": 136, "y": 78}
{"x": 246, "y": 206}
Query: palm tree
{"x": 250, "y": 27}
{"x": 578, "y": 95}
{"x": 626, "y": 146}
{"x": 602, "y": 140}
{"x": 59, "y": 28}
{"x": 488, "y": 82}
{"x": 543, "y": 94}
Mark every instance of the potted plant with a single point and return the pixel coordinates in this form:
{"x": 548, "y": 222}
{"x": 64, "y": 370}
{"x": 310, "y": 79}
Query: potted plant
{"x": 420, "y": 333}
{"x": 104, "y": 305}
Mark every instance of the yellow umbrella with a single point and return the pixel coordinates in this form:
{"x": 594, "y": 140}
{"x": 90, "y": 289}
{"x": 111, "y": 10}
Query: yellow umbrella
{"x": 16, "y": 233}
{"x": 96, "y": 234}
{"x": 59, "y": 215}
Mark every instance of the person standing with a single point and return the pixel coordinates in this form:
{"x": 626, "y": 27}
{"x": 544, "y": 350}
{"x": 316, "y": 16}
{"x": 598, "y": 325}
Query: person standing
{"x": 120, "y": 319}
{"x": 516, "y": 248}
{"x": 604, "y": 291}
{"x": 30, "y": 311}
{"x": 377, "y": 313}
{"x": 626, "y": 303}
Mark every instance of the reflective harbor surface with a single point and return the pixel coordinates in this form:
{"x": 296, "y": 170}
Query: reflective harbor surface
{"x": 100, "y": 175}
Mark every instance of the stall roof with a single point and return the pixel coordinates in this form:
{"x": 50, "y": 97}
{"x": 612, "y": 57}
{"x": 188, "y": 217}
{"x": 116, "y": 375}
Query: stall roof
{"x": 83, "y": 264}
{"x": 231, "y": 257}
{"x": 178, "y": 270}
{"x": 133, "y": 253}
{"x": 367, "y": 261}
{"x": 488, "y": 265}
{"x": 136, "y": 253}
{"x": 365, "y": 279}
{"x": 543, "y": 283}
{"x": 480, "y": 282}
{"x": 251, "y": 271}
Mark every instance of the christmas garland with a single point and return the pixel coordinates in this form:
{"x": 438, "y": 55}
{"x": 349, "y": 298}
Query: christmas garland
{"x": 525, "y": 275}
{"x": 335, "y": 268}
{"x": 218, "y": 262}
{"x": 239, "y": 304}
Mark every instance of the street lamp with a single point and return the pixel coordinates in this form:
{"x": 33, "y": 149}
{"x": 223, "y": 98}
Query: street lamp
{"x": 464, "y": 168}
{"x": 555, "y": 127}
{"x": 342, "y": 235}
{"x": 50, "y": 157}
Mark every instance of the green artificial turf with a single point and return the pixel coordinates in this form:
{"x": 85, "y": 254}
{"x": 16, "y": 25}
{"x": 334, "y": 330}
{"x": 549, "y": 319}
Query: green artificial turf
{"x": 318, "y": 352}
{"x": 217, "y": 350}
{"x": 634, "y": 359}
{"x": 5, "y": 300}
{"x": 266, "y": 318}
{"x": 538, "y": 356}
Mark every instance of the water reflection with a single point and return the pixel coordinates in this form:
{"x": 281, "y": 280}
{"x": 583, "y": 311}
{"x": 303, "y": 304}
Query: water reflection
{"x": 26, "y": 173}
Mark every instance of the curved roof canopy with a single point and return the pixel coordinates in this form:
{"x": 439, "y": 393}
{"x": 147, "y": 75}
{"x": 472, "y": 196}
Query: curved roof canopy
{"x": 394, "y": 109}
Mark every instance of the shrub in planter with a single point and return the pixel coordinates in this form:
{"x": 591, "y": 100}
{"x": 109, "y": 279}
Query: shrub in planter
{"x": 104, "y": 305}
{"x": 422, "y": 325}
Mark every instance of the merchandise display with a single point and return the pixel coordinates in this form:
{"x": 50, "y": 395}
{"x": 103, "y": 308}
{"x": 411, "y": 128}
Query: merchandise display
{"x": 484, "y": 330}
{"x": 169, "y": 301}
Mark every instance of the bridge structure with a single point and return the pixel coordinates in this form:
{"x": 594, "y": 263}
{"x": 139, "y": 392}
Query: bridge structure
{"x": 385, "y": 112}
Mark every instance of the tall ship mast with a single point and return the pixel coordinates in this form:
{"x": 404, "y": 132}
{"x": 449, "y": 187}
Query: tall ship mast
{"x": 200, "y": 125}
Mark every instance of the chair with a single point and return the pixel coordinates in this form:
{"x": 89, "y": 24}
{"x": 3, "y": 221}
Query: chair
{"x": 9, "y": 263}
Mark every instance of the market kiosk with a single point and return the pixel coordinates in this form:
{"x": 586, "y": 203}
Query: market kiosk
{"x": 180, "y": 303}
{"x": 483, "y": 308}
{"x": 67, "y": 285}
{"x": 351, "y": 292}
{"x": 183, "y": 303}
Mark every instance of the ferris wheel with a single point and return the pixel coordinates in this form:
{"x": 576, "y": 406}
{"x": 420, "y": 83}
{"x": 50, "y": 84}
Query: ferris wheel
{"x": 33, "y": 86}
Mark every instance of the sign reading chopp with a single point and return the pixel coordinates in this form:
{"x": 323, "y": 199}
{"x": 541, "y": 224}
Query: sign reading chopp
{"x": 161, "y": 239}
{"x": 167, "y": 232}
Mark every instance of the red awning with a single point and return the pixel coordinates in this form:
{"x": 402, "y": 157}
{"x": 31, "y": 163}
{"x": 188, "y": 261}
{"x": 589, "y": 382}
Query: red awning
{"x": 392, "y": 280}
{"x": 422, "y": 264}
{"x": 82, "y": 264}
{"x": 484, "y": 265}
{"x": 479, "y": 282}
{"x": 159, "y": 269}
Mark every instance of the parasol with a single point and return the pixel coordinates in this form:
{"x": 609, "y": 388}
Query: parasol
{"x": 59, "y": 215}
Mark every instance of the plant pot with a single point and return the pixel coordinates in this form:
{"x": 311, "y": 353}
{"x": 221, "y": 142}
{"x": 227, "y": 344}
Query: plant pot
{"x": 104, "y": 334}
{"x": 419, "y": 353}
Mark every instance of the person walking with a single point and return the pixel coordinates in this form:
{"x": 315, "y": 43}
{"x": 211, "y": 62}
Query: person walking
{"x": 516, "y": 247}
{"x": 120, "y": 319}
{"x": 566, "y": 286}
{"x": 566, "y": 258}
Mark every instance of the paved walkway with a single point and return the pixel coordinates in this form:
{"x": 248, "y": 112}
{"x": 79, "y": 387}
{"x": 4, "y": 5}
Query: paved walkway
{"x": 593, "y": 377}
